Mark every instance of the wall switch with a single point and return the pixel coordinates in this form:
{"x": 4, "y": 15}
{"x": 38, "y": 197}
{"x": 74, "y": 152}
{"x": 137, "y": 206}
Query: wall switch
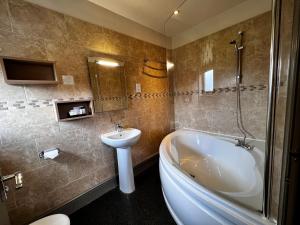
{"x": 68, "y": 79}
{"x": 138, "y": 88}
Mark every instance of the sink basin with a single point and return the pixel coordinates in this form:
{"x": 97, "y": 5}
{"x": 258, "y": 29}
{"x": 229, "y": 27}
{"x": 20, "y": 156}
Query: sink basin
{"x": 123, "y": 139}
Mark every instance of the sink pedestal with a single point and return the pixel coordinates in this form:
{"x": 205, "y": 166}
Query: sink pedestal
{"x": 126, "y": 179}
{"x": 122, "y": 141}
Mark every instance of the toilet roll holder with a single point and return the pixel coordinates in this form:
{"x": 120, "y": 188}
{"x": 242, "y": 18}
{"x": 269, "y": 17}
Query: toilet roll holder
{"x": 42, "y": 153}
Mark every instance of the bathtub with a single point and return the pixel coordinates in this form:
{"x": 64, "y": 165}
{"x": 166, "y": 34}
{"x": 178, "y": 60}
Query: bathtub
{"x": 206, "y": 179}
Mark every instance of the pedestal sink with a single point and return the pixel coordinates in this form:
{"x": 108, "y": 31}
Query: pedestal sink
{"x": 122, "y": 141}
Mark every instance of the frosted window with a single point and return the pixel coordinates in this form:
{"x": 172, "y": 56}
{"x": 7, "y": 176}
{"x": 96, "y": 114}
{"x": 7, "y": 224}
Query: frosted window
{"x": 208, "y": 81}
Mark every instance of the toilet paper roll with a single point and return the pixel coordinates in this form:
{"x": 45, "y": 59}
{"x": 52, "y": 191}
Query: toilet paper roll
{"x": 51, "y": 153}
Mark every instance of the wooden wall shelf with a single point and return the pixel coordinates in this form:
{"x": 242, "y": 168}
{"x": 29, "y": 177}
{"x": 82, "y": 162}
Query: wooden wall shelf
{"x": 27, "y": 71}
{"x": 63, "y": 108}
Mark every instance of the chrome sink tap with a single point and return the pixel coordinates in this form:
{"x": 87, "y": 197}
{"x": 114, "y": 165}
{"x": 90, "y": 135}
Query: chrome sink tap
{"x": 243, "y": 144}
{"x": 119, "y": 127}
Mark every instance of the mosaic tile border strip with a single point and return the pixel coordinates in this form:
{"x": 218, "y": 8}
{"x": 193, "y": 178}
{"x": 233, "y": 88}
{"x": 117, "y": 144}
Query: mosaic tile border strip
{"x": 222, "y": 90}
{"x": 32, "y": 103}
{"x": 149, "y": 95}
{"x": 40, "y": 103}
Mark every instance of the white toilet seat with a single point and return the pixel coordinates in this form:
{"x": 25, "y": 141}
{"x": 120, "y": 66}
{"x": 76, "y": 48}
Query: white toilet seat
{"x": 56, "y": 219}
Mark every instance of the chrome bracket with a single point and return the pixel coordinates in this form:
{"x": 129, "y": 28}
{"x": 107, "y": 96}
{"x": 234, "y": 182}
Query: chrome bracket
{"x": 3, "y": 191}
{"x": 18, "y": 176}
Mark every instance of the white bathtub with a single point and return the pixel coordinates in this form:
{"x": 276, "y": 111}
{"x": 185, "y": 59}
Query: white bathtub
{"x": 207, "y": 180}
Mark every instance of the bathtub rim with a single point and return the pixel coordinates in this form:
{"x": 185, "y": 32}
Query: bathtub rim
{"x": 254, "y": 188}
{"x": 220, "y": 201}
{"x": 226, "y": 136}
{"x": 221, "y": 206}
{"x": 177, "y": 220}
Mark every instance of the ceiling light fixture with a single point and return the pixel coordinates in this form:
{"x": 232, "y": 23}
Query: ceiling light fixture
{"x": 174, "y": 13}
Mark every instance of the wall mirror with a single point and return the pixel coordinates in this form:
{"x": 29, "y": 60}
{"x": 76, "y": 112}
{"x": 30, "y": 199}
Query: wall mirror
{"x": 108, "y": 82}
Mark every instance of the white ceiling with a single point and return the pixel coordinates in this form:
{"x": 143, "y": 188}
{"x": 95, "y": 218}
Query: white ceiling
{"x": 154, "y": 13}
{"x": 145, "y": 19}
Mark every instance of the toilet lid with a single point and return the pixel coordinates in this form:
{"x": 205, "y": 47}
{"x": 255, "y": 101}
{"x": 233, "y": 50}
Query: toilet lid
{"x": 56, "y": 219}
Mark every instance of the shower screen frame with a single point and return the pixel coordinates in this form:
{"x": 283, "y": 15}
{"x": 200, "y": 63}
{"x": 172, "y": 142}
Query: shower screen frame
{"x": 272, "y": 96}
{"x": 274, "y": 84}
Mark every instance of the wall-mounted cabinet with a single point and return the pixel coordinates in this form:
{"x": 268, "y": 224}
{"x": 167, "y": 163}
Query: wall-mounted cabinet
{"x": 73, "y": 110}
{"x": 24, "y": 71}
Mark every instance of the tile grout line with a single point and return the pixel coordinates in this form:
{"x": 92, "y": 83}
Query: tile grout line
{"x": 17, "y": 104}
{"x": 10, "y": 17}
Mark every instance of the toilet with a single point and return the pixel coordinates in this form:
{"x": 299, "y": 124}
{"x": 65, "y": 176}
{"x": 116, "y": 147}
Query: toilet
{"x": 56, "y": 219}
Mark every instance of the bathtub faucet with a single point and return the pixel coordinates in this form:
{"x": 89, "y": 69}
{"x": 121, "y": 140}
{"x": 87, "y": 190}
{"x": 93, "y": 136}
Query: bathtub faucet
{"x": 243, "y": 144}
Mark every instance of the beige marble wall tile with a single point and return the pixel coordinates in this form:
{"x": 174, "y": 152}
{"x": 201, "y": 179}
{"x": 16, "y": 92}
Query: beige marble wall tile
{"x": 10, "y": 92}
{"x": 114, "y": 43}
{"x": 136, "y": 49}
{"x": 5, "y": 23}
{"x": 18, "y": 156}
{"x": 85, "y": 34}
{"x": 32, "y": 198}
{"x": 26, "y": 130}
{"x": 217, "y": 112}
{"x": 35, "y": 21}
{"x": 14, "y": 45}
{"x": 59, "y": 196}
{"x": 31, "y": 207}
{"x": 25, "y": 124}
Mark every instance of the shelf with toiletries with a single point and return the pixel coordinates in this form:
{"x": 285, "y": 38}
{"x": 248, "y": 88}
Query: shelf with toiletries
{"x": 73, "y": 109}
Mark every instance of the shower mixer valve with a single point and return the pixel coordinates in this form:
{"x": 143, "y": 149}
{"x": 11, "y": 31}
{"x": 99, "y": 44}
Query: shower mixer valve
{"x": 243, "y": 144}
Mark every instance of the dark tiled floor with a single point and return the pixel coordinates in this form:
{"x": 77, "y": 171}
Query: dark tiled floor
{"x": 146, "y": 206}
